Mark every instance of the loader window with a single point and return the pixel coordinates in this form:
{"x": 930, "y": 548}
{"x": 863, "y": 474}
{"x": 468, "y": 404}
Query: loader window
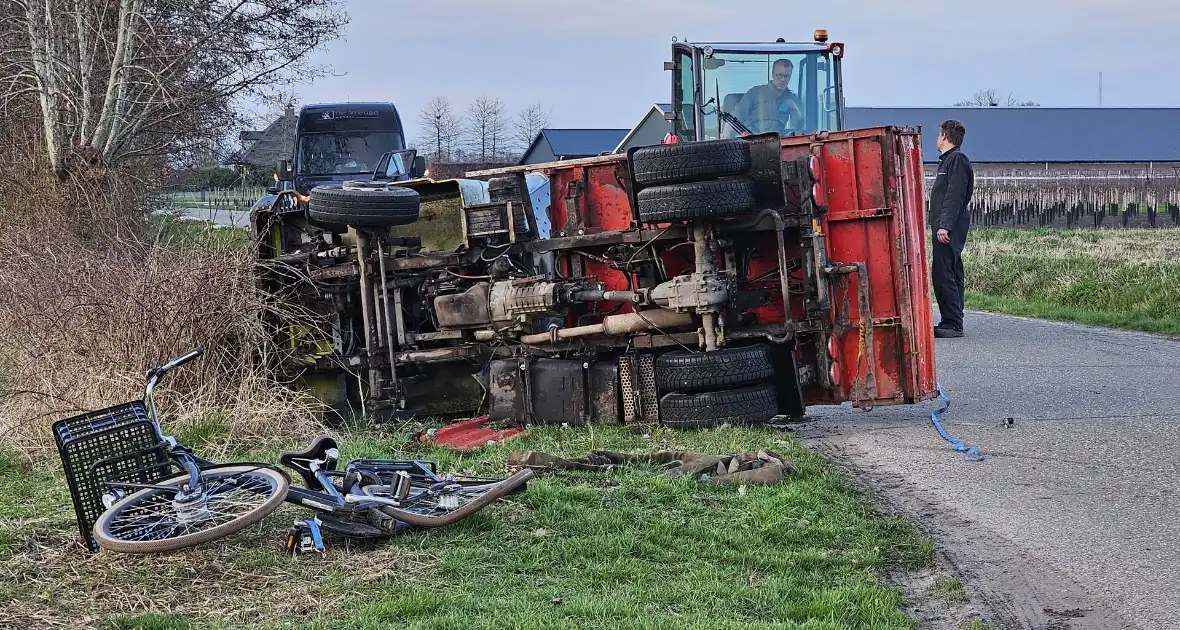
{"x": 743, "y": 85}
{"x": 683, "y": 103}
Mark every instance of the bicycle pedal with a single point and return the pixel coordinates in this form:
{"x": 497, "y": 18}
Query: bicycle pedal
{"x": 305, "y": 537}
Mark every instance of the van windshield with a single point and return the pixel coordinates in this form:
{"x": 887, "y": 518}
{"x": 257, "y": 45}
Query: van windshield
{"x": 349, "y": 153}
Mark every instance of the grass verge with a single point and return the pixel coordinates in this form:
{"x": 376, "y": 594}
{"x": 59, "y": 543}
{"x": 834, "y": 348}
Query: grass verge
{"x": 628, "y": 548}
{"x": 1115, "y": 278}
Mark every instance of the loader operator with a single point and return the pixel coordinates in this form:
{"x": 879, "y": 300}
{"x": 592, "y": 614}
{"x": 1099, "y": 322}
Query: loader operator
{"x": 771, "y": 106}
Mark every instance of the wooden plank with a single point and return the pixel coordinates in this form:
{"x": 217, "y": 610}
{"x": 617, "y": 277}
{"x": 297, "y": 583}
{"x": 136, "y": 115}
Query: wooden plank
{"x": 548, "y": 166}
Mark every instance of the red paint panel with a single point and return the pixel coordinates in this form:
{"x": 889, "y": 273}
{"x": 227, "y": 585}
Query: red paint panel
{"x": 873, "y": 181}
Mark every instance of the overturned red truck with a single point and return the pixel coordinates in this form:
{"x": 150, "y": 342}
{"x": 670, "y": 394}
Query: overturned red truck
{"x": 750, "y": 266}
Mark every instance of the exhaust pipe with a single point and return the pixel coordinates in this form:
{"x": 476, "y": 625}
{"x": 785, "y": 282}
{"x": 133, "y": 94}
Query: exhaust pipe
{"x": 615, "y": 325}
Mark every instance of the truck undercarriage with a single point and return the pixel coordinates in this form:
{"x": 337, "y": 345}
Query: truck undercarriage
{"x": 692, "y": 284}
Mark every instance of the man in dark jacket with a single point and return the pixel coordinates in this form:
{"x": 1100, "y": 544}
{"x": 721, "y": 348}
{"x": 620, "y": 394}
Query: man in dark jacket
{"x": 950, "y": 219}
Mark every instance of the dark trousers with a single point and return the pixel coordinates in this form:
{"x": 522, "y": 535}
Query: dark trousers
{"x": 947, "y": 272}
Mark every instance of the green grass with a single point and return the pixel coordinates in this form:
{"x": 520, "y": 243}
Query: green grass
{"x": 1116, "y": 278}
{"x": 176, "y": 232}
{"x": 950, "y": 591}
{"x": 629, "y": 548}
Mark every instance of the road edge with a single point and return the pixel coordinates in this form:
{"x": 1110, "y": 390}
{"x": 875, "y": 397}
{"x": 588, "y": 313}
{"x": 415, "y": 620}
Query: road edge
{"x": 1007, "y": 588}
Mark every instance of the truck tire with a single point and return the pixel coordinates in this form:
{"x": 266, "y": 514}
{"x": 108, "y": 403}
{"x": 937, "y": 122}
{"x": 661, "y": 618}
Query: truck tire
{"x": 690, "y": 162}
{"x": 699, "y": 200}
{"x": 379, "y": 208}
{"x": 683, "y": 371}
{"x": 504, "y": 189}
{"x": 736, "y": 407}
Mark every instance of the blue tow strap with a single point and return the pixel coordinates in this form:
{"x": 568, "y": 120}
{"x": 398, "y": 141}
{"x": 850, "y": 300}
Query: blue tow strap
{"x": 956, "y": 442}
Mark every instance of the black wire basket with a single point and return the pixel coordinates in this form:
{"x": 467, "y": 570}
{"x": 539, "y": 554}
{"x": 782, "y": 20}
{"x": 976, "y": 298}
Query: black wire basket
{"x": 116, "y": 444}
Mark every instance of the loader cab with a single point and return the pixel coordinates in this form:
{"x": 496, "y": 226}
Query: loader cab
{"x": 726, "y": 90}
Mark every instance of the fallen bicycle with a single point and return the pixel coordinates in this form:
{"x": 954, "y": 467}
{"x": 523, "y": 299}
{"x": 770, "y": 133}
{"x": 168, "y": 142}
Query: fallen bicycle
{"x": 137, "y": 490}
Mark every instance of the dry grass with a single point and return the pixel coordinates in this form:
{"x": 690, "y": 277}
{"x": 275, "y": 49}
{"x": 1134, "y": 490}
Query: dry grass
{"x": 1118, "y": 278}
{"x": 1147, "y": 247}
{"x": 88, "y": 311}
{"x": 244, "y": 580}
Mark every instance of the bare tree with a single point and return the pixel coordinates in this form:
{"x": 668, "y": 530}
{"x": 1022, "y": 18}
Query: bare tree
{"x": 439, "y": 128}
{"x": 486, "y": 127}
{"x": 529, "y": 122}
{"x": 991, "y": 98}
{"x": 121, "y": 79}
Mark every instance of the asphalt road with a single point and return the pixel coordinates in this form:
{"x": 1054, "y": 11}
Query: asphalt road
{"x": 1077, "y": 506}
{"x": 220, "y": 216}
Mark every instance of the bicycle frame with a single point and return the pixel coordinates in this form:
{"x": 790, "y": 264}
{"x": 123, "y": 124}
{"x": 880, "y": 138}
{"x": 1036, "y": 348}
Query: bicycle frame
{"x": 327, "y": 498}
{"x": 331, "y": 500}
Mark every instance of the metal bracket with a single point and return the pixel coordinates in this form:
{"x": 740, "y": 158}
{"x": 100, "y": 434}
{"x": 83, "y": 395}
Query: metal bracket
{"x": 305, "y": 537}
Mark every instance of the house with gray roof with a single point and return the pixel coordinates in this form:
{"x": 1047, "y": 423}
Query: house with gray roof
{"x": 552, "y": 145}
{"x": 263, "y": 149}
{"x": 650, "y": 130}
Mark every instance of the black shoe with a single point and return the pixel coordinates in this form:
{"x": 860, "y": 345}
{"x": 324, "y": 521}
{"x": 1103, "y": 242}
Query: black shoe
{"x": 942, "y": 331}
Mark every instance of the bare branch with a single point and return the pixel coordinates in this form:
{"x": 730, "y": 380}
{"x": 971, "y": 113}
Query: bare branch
{"x": 529, "y": 122}
{"x": 486, "y": 128}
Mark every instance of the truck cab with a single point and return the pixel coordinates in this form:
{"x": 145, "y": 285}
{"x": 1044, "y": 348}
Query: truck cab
{"x": 732, "y": 89}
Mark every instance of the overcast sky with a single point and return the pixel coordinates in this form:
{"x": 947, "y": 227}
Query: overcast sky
{"x": 603, "y": 67}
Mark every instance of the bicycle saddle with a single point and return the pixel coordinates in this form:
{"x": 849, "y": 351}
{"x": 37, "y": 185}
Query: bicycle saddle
{"x": 300, "y": 461}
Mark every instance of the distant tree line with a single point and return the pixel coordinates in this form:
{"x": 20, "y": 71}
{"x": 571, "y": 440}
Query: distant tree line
{"x": 483, "y": 131}
{"x": 991, "y": 98}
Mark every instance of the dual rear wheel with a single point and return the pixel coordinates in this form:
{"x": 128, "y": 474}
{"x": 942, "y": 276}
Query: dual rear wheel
{"x": 728, "y": 386}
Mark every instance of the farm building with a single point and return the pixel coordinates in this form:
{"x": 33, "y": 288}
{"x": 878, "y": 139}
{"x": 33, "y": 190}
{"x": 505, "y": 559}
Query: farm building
{"x": 552, "y": 145}
{"x": 650, "y": 130}
{"x": 1052, "y": 141}
{"x": 1060, "y": 166}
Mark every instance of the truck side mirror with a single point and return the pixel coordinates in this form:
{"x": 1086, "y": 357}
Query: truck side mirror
{"x": 419, "y": 167}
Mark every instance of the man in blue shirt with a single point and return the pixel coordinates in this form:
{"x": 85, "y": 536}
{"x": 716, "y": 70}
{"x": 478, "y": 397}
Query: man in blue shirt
{"x": 771, "y": 106}
{"x": 950, "y": 218}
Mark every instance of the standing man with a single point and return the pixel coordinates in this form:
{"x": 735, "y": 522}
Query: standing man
{"x": 950, "y": 219}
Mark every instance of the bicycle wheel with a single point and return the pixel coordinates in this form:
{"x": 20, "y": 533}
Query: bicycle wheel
{"x": 445, "y": 502}
{"x": 152, "y": 520}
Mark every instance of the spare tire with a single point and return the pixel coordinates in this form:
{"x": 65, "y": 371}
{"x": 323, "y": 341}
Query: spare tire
{"x": 735, "y": 407}
{"x": 373, "y": 207}
{"x": 690, "y": 161}
{"x": 699, "y": 200}
{"x": 684, "y": 371}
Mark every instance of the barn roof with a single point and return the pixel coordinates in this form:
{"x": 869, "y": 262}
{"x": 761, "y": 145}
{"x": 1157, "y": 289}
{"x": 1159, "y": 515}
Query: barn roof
{"x": 1041, "y": 134}
{"x": 577, "y": 143}
{"x": 582, "y": 142}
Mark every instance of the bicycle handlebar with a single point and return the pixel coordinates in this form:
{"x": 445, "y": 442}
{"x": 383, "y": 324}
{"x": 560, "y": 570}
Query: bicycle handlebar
{"x": 158, "y": 372}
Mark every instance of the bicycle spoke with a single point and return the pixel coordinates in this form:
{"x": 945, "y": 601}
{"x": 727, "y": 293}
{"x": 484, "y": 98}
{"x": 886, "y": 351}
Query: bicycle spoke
{"x": 220, "y": 501}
